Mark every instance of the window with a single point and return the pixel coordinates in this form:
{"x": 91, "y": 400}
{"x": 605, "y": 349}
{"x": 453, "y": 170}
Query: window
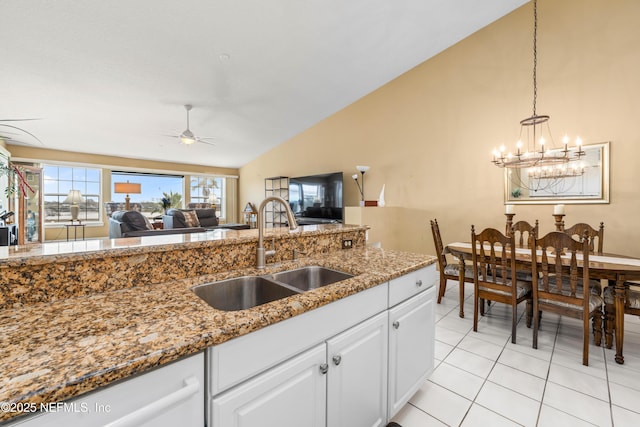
{"x": 59, "y": 180}
{"x": 154, "y": 187}
{"x": 209, "y": 189}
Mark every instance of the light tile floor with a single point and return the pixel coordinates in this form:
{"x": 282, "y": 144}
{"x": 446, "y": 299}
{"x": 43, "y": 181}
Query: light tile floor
{"x": 482, "y": 379}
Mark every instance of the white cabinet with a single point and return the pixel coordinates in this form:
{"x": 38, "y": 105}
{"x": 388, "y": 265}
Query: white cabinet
{"x": 357, "y": 379}
{"x": 291, "y": 395}
{"x": 352, "y": 363}
{"x": 411, "y": 347}
{"x": 342, "y": 382}
{"x": 165, "y": 397}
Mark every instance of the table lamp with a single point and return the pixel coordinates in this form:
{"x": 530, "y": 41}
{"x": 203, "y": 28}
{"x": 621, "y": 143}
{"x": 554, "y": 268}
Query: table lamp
{"x": 73, "y": 198}
{"x": 127, "y": 188}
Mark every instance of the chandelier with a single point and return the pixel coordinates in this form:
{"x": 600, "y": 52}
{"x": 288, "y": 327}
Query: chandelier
{"x": 538, "y": 152}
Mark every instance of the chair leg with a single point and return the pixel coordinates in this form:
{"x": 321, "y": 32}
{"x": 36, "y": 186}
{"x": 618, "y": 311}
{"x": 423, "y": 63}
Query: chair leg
{"x": 476, "y": 300}
{"x": 536, "y": 322}
{"x": 514, "y": 316}
{"x": 529, "y": 313}
{"x": 609, "y": 324}
{"x": 482, "y": 307}
{"x": 443, "y": 286}
{"x": 461, "y": 298}
{"x": 585, "y": 339}
{"x": 597, "y": 328}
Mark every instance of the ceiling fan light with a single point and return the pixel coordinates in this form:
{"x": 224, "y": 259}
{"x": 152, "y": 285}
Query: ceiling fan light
{"x": 187, "y": 140}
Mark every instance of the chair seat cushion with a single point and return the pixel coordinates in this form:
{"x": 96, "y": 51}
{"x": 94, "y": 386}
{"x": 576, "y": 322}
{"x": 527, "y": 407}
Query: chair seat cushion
{"x": 522, "y": 289}
{"x": 632, "y": 295}
{"x": 454, "y": 270}
{"x": 595, "y": 301}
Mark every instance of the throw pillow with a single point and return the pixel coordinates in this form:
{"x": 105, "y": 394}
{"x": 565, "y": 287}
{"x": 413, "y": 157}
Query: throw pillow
{"x": 191, "y": 219}
{"x": 148, "y": 223}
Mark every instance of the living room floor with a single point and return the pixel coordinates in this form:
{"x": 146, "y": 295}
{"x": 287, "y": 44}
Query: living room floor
{"x": 481, "y": 378}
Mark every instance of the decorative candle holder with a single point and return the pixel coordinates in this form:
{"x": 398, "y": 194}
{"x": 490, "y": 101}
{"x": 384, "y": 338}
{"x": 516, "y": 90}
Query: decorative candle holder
{"x": 509, "y": 223}
{"x": 559, "y": 222}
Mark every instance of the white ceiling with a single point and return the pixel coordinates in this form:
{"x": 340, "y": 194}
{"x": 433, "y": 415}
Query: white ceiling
{"x": 112, "y": 76}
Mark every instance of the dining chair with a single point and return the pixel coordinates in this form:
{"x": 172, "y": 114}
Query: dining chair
{"x": 448, "y": 271}
{"x": 494, "y": 264}
{"x": 560, "y": 287}
{"x": 577, "y": 231}
{"x": 521, "y": 229}
{"x": 631, "y": 306}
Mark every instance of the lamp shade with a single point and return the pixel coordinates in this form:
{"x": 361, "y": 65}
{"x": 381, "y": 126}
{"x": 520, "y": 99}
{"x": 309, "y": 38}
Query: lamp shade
{"x": 127, "y": 188}
{"x": 74, "y": 197}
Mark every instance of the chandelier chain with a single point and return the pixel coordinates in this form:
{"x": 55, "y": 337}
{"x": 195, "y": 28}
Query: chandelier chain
{"x": 535, "y": 54}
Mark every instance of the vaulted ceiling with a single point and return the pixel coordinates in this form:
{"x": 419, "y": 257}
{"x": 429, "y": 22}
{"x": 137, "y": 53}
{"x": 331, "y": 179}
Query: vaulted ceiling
{"x": 112, "y": 76}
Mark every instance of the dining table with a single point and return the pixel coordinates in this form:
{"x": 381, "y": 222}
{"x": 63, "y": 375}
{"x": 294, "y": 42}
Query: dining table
{"x": 615, "y": 269}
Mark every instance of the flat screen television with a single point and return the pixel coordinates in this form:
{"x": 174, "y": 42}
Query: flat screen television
{"x": 317, "y": 199}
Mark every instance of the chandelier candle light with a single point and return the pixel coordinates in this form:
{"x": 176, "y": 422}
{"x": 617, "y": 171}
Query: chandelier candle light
{"x": 539, "y": 153}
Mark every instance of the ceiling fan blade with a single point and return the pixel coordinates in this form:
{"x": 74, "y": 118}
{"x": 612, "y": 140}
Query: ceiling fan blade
{"x": 206, "y": 142}
{"x": 25, "y": 131}
{"x": 18, "y": 120}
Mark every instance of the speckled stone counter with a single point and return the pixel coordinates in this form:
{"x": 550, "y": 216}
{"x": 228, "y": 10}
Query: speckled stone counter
{"x": 59, "y": 348}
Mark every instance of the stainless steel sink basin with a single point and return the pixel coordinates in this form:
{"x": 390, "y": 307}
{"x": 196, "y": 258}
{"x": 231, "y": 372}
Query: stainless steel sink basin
{"x": 241, "y": 293}
{"x": 310, "y": 277}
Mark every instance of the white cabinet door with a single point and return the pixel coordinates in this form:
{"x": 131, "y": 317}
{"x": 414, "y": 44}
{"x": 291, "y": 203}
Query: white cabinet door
{"x": 357, "y": 380}
{"x": 411, "y": 347}
{"x": 169, "y": 396}
{"x": 293, "y": 394}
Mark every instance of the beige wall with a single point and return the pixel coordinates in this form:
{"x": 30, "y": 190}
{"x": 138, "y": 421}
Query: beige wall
{"x": 107, "y": 162}
{"x": 429, "y": 134}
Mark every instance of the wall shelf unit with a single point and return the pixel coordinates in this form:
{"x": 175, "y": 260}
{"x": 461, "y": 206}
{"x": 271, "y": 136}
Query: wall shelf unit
{"x": 275, "y": 215}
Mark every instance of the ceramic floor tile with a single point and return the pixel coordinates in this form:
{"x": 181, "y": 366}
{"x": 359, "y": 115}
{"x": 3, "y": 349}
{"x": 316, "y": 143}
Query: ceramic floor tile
{"x": 621, "y": 374}
{"x": 509, "y": 404}
{"x": 457, "y": 380}
{"x": 570, "y": 360}
{"x": 477, "y": 365}
{"x": 479, "y": 416}
{"x": 448, "y": 336}
{"x": 474, "y": 344}
{"x": 517, "y": 380}
{"x": 551, "y": 417}
{"x": 452, "y": 321}
{"x": 578, "y": 404}
{"x": 572, "y": 394}
{"x": 623, "y": 417}
{"x": 524, "y": 362}
{"x": 582, "y": 382}
{"x": 442, "y": 350}
{"x": 410, "y": 416}
{"x": 625, "y": 397}
{"x": 442, "y": 404}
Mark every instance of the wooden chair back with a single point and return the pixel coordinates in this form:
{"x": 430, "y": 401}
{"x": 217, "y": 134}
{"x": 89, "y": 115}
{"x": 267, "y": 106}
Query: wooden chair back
{"x": 522, "y": 228}
{"x": 578, "y": 231}
{"x": 437, "y": 240}
{"x": 563, "y": 285}
{"x": 493, "y": 260}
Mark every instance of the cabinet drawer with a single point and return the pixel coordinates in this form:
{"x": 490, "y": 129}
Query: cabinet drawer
{"x": 171, "y": 395}
{"x": 411, "y": 284}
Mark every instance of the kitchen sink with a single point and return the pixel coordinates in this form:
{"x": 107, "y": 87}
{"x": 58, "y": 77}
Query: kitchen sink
{"x": 311, "y": 277}
{"x": 241, "y": 293}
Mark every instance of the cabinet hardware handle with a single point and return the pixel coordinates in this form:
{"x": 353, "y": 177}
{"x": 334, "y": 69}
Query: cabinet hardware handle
{"x": 337, "y": 359}
{"x": 419, "y": 283}
{"x": 190, "y": 387}
{"x": 396, "y": 324}
{"x": 324, "y": 368}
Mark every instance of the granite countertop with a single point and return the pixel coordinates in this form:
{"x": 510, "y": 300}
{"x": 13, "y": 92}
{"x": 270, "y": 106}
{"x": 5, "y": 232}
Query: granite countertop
{"x": 53, "y": 351}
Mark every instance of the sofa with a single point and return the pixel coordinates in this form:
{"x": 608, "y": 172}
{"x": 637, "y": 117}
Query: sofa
{"x": 134, "y": 224}
{"x": 184, "y": 218}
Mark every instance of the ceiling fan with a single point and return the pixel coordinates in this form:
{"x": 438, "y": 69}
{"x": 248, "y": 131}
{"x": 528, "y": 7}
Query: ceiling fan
{"x": 6, "y": 134}
{"x": 187, "y": 137}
